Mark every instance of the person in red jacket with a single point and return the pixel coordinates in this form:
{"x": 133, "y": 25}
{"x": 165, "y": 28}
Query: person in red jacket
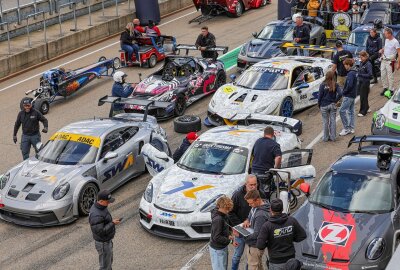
{"x": 341, "y": 5}
{"x": 136, "y": 23}
{"x": 152, "y": 30}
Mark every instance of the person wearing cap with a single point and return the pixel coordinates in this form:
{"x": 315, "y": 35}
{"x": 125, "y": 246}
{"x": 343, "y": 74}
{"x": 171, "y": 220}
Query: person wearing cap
{"x": 278, "y": 235}
{"x": 29, "y": 118}
{"x": 204, "y": 41}
{"x": 301, "y": 34}
{"x": 190, "y": 138}
{"x": 338, "y": 66}
{"x": 103, "y": 228}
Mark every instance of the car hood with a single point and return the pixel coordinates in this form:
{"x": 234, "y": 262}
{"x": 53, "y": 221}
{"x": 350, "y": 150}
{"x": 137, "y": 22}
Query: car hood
{"x": 334, "y": 236}
{"x": 44, "y": 177}
{"x": 258, "y": 48}
{"x": 230, "y": 100}
{"x": 181, "y": 190}
{"x": 155, "y": 85}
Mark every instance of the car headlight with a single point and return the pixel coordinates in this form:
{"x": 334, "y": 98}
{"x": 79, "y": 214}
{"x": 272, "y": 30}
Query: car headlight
{"x": 211, "y": 204}
{"x": 375, "y": 249}
{"x": 148, "y": 193}
{"x": 243, "y": 50}
{"x": 380, "y": 121}
{"x": 3, "y": 180}
{"x": 61, "y": 191}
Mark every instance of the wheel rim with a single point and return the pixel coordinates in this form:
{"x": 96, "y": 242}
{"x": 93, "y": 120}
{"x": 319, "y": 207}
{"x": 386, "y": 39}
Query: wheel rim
{"x": 117, "y": 63}
{"x": 88, "y": 198}
{"x": 153, "y": 60}
{"x": 187, "y": 118}
{"x": 103, "y": 58}
{"x": 287, "y": 108}
{"x": 264, "y": 2}
{"x": 239, "y": 9}
{"x": 45, "y": 107}
{"x": 180, "y": 106}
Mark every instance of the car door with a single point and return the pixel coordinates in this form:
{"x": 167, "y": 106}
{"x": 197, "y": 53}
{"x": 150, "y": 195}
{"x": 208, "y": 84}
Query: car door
{"x": 303, "y": 88}
{"x": 155, "y": 159}
{"x": 297, "y": 162}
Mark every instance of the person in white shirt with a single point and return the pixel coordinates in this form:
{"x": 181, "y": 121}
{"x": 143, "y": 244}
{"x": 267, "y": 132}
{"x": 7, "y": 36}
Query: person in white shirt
{"x": 388, "y": 57}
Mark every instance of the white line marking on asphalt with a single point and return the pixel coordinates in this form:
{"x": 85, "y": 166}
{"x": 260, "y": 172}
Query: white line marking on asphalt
{"x": 195, "y": 258}
{"x": 85, "y": 55}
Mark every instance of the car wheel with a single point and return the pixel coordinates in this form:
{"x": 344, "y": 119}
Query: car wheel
{"x": 238, "y": 10}
{"x": 180, "y": 105}
{"x": 152, "y": 61}
{"x": 187, "y": 123}
{"x": 21, "y": 106}
{"x": 220, "y": 80}
{"x": 322, "y": 41}
{"x": 264, "y": 3}
{"x": 42, "y": 105}
{"x": 87, "y": 197}
{"x": 286, "y": 107}
{"x": 102, "y": 58}
{"x": 116, "y": 63}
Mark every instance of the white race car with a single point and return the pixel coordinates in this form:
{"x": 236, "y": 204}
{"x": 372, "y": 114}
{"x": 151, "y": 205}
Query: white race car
{"x": 278, "y": 86}
{"x": 386, "y": 121}
{"x": 177, "y": 201}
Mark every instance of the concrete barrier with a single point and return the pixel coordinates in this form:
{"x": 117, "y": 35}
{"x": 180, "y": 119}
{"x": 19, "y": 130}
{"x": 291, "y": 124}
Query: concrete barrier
{"x": 65, "y": 44}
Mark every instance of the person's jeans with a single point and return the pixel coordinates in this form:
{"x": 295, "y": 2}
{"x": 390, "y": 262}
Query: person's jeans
{"x": 364, "y": 92}
{"x": 131, "y": 49}
{"x": 105, "y": 250}
{"x": 219, "y": 258}
{"x": 26, "y": 142}
{"x": 238, "y": 252}
{"x": 301, "y": 52}
{"x": 346, "y": 112}
{"x": 329, "y": 122}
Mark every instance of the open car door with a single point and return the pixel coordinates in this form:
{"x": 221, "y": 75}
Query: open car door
{"x": 298, "y": 164}
{"x": 156, "y": 161}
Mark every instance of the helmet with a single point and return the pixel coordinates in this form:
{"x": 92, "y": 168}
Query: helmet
{"x": 385, "y": 154}
{"x": 119, "y": 76}
{"x": 378, "y": 23}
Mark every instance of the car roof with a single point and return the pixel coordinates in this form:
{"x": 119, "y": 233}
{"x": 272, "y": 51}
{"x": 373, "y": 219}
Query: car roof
{"x": 364, "y": 28}
{"x": 374, "y": 14}
{"x": 244, "y": 136}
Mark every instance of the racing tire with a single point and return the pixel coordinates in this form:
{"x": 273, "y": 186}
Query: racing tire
{"x": 180, "y": 105}
{"x": 42, "y": 106}
{"x": 238, "y": 10}
{"x": 264, "y": 3}
{"x": 21, "y": 106}
{"x": 87, "y": 197}
{"x": 187, "y": 123}
{"x": 116, "y": 63}
{"x": 152, "y": 62}
{"x": 322, "y": 41}
{"x": 102, "y": 58}
{"x": 220, "y": 80}
{"x": 286, "y": 108}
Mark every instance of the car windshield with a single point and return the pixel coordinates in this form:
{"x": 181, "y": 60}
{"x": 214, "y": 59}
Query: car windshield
{"x": 356, "y": 193}
{"x": 69, "y": 149}
{"x": 278, "y": 32}
{"x": 215, "y": 158}
{"x": 359, "y": 38}
{"x": 264, "y": 78}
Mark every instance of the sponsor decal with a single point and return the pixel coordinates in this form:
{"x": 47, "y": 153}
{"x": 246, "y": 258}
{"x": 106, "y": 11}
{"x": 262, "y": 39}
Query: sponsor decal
{"x": 90, "y": 140}
{"x": 270, "y": 69}
{"x": 229, "y": 89}
{"x": 119, "y": 167}
{"x": 168, "y": 215}
{"x": 285, "y": 231}
{"x": 188, "y": 189}
{"x": 334, "y": 233}
{"x": 234, "y": 131}
{"x": 342, "y": 23}
{"x": 396, "y": 109}
{"x": 156, "y": 166}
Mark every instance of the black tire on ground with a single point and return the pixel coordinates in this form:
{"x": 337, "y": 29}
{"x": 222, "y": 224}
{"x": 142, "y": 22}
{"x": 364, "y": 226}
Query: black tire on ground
{"x": 152, "y": 62}
{"x": 87, "y": 196}
{"x": 187, "y": 123}
{"x": 264, "y": 3}
{"x": 22, "y": 100}
{"x": 42, "y": 105}
{"x": 102, "y": 58}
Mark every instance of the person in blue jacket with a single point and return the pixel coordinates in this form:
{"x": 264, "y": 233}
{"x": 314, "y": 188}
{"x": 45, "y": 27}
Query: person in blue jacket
{"x": 364, "y": 77}
{"x": 190, "y": 138}
{"x": 349, "y": 93}
{"x": 120, "y": 89}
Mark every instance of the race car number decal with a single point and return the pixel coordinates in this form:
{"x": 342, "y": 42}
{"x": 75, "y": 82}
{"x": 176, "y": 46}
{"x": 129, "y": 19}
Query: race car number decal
{"x": 228, "y": 89}
{"x": 334, "y": 233}
{"x": 90, "y": 140}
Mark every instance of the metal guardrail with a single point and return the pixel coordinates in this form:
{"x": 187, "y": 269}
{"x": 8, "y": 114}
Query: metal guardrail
{"x": 8, "y": 35}
{"x": 44, "y": 26}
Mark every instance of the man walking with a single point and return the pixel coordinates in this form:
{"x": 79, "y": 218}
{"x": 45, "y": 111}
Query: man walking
{"x": 349, "y": 93}
{"x": 374, "y": 44}
{"x": 389, "y": 53}
{"x": 103, "y": 228}
{"x": 338, "y": 66}
{"x": 301, "y": 34}
{"x": 278, "y": 234}
{"x": 257, "y": 217}
{"x": 206, "y": 40}
{"x": 29, "y": 118}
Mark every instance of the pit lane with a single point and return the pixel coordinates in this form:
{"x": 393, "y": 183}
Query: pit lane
{"x": 71, "y": 246}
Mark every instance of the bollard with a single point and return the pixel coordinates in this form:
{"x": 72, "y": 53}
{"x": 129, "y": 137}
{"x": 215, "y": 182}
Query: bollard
{"x": 102, "y": 6}
{"x": 90, "y": 14}
{"x": 44, "y": 26}
{"x": 50, "y": 7}
{"x": 18, "y": 13}
{"x": 116, "y": 8}
{"x": 75, "y": 20}
{"x": 8, "y": 35}
{"x": 59, "y": 17}
{"x": 34, "y": 9}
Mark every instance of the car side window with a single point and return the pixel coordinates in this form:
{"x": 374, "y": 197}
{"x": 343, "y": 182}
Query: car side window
{"x": 318, "y": 73}
{"x": 117, "y": 138}
{"x": 295, "y": 75}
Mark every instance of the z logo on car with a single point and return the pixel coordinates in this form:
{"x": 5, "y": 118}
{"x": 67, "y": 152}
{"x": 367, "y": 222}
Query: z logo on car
{"x": 334, "y": 233}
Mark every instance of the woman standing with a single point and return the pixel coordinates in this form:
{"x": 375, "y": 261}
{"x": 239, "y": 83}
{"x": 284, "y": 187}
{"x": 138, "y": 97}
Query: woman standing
{"x": 364, "y": 77}
{"x": 329, "y": 94}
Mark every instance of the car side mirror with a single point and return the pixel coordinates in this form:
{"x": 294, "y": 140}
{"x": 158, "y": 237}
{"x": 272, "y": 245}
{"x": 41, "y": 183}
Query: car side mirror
{"x": 254, "y": 34}
{"x": 163, "y": 156}
{"x": 302, "y": 86}
{"x": 305, "y": 188}
{"x": 39, "y": 146}
{"x": 232, "y": 77}
{"x": 110, "y": 155}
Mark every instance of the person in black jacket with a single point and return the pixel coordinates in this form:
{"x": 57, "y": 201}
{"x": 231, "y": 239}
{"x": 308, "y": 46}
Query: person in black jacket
{"x": 127, "y": 42}
{"x": 103, "y": 228}
{"x": 190, "y": 138}
{"x": 364, "y": 77}
{"x": 374, "y": 44}
{"x": 29, "y": 118}
{"x": 301, "y": 7}
{"x": 337, "y": 61}
{"x": 301, "y": 34}
{"x": 278, "y": 234}
{"x": 349, "y": 93}
{"x": 205, "y": 41}
{"x": 220, "y": 234}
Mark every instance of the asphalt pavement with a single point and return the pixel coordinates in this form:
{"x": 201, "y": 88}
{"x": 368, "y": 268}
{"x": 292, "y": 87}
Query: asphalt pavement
{"x": 72, "y": 246}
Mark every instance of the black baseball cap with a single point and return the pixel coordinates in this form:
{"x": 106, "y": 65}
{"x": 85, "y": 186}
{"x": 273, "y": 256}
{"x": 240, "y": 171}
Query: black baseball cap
{"x": 277, "y": 205}
{"x": 105, "y": 195}
{"x": 26, "y": 102}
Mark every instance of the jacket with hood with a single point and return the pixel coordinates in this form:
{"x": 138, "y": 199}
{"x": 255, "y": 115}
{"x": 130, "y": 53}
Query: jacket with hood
{"x": 350, "y": 86}
{"x": 341, "y": 5}
{"x": 257, "y": 217}
{"x": 313, "y": 7}
{"x": 219, "y": 230}
{"x": 365, "y": 71}
{"x": 181, "y": 150}
{"x": 278, "y": 234}
{"x": 374, "y": 44}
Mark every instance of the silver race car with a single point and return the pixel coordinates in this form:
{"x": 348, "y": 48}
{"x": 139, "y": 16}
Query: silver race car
{"x": 63, "y": 180}
{"x": 177, "y": 201}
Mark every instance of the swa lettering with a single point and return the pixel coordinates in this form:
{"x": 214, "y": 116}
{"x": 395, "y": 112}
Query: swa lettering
{"x": 157, "y": 167}
{"x": 129, "y": 161}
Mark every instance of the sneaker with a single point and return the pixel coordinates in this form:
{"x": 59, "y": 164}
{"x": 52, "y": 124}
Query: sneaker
{"x": 383, "y": 92}
{"x": 360, "y": 115}
{"x": 352, "y": 131}
{"x": 344, "y": 132}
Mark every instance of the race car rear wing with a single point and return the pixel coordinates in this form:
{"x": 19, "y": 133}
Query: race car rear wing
{"x": 294, "y": 125}
{"x": 188, "y": 47}
{"x": 147, "y": 104}
{"x": 377, "y": 140}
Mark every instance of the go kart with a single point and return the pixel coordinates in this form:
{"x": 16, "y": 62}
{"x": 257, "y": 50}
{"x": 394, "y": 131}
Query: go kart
{"x": 58, "y": 82}
{"x": 151, "y": 50}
